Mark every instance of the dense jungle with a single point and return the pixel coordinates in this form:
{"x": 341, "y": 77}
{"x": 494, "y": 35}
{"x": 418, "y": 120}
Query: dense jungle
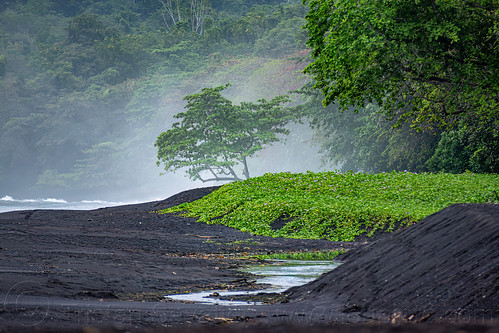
{"x": 87, "y": 86}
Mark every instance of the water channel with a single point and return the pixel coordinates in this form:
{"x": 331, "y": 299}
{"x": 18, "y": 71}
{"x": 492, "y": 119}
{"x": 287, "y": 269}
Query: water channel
{"x": 280, "y": 275}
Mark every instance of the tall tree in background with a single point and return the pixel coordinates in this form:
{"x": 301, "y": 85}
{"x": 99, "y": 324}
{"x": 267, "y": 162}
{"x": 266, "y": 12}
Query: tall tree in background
{"x": 199, "y": 9}
{"x": 214, "y": 135}
{"x": 430, "y": 61}
{"x": 173, "y": 14}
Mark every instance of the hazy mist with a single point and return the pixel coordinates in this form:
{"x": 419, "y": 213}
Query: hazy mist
{"x": 85, "y": 91}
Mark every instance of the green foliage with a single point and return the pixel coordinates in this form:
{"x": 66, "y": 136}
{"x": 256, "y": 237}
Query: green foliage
{"x": 108, "y": 71}
{"x": 86, "y": 29}
{"x": 3, "y": 62}
{"x": 240, "y": 7}
{"x": 214, "y": 135}
{"x": 336, "y": 206}
{"x": 468, "y": 147}
{"x": 283, "y": 39}
{"x": 316, "y": 255}
{"x": 369, "y": 141}
{"x": 427, "y": 61}
{"x": 365, "y": 140}
{"x": 67, "y": 7}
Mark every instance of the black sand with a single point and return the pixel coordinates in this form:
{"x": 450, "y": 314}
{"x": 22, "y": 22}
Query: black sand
{"x": 444, "y": 267}
{"x": 109, "y": 268}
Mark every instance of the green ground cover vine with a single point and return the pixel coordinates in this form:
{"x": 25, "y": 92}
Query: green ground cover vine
{"x": 315, "y": 255}
{"x": 336, "y": 206}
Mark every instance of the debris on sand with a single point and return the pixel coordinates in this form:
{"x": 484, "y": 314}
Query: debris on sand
{"x": 446, "y": 266}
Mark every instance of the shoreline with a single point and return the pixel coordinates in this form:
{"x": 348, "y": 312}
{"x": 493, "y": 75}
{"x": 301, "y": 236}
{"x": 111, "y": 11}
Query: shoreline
{"x": 110, "y": 268}
{"x": 122, "y": 255}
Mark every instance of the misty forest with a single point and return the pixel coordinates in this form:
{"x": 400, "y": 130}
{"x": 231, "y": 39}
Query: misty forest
{"x": 96, "y": 94}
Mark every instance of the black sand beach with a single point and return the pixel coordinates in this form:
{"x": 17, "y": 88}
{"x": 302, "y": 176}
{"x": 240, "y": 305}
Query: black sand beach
{"x": 109, "y": 269}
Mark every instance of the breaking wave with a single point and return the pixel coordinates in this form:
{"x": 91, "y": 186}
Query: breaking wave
{"x": 9, "y": 203}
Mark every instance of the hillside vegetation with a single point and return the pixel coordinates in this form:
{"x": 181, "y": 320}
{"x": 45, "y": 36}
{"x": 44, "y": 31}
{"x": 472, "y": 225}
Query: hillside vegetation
{"x": 337, "y": 206}
{"x": 86, "y": 87}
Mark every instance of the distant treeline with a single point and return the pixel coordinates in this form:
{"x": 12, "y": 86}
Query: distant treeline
{"x": 87, "y": 86}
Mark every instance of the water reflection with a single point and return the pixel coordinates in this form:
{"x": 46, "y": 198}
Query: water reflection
{"x": 279, "y": 274}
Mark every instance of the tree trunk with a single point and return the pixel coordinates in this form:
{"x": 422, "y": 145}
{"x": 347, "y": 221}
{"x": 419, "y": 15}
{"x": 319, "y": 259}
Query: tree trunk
{"x": 198, "y": 14}
{"x": 245, "y": 170}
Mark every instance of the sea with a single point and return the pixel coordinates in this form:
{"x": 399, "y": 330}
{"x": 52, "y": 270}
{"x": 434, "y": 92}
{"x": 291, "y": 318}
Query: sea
{"x": 8, "y": 203}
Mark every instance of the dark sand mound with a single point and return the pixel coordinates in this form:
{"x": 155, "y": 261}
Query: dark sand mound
{"x": 446, "y": 266}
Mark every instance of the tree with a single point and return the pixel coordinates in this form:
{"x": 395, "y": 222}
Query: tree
{"x": 366, "y": 140}
{"x": 87, "y": 29}
{"x": 430, "y": 61}
{"x": 467, "y": 147}
{"x": 214, "y": 135}
{"x": 283, "y": 39}
{"x": 172, "y": 13}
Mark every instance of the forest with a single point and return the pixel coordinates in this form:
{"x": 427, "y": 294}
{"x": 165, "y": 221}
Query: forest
{"x": 86, "y": 87}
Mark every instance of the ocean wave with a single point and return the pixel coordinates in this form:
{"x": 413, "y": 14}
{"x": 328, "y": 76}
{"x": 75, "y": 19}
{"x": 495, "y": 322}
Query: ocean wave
{"x": 7, "y": 198}
{"x": 54, "y": 200}
{"x": 96, "y": 202}
{"x": 28, "y": 201}
{"x": 9, "y": 203}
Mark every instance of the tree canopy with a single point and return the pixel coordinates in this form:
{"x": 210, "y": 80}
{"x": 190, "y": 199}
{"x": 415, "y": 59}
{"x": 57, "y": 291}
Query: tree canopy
{"x": 366, "y": 140}
{"x": 430, "y": 61}
{"x": 214, "y": 135}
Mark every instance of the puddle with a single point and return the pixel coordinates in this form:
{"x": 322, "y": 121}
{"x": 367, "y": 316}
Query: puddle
{"x": 279, "y": 274}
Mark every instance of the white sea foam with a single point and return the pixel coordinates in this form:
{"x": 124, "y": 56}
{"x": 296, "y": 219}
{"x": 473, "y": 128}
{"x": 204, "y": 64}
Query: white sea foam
{"x": 8, "y": 203}
{"x": 94, "y": 202}
{"x": 54, "y": 200}
{"x": 7, "y": 198}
